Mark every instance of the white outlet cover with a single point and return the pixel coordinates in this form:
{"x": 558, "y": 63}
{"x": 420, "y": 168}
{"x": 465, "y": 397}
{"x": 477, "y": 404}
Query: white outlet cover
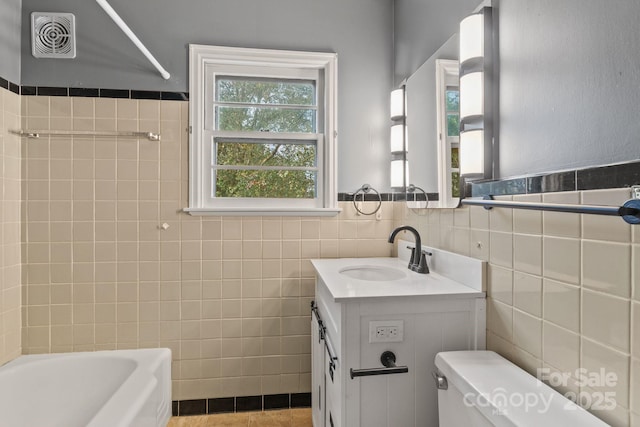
{"x": 375, "y": 324}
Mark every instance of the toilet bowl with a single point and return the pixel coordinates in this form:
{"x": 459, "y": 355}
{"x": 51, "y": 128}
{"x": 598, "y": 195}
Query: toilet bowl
{"x": 481, "y": 388}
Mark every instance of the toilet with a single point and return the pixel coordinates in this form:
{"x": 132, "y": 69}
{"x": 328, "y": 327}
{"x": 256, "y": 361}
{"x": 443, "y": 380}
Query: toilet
{"x": 481, "y": 388}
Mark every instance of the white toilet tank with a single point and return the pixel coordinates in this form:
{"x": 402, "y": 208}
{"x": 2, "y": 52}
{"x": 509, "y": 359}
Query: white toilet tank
{"x": 484, "y": 389}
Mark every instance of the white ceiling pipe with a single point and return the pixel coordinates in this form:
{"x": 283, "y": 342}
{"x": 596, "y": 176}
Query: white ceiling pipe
{"x": 125, "y": 28}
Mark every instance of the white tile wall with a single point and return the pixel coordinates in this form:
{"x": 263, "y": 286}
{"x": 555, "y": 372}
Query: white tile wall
{"x": 229, "y": 295}
{"x": 10, "y": 229}
{"x": 563, "y": 288}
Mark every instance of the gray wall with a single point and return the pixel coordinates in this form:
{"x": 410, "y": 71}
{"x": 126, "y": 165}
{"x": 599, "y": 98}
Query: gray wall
{"x": 10, "y": 40}
{"x": 569, "y": 84}
{"x": 421, "y": 27}
{"x": 360, "y": 31}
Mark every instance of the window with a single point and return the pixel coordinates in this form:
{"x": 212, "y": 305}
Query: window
{"x": 448, "y": 112}
{"x": 263, "y": 132}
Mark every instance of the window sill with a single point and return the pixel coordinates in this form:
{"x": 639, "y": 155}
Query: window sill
{"x": 262, "y": 211}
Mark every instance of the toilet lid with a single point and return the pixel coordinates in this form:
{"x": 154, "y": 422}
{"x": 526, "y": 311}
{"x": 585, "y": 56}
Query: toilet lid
{"x": 508, "y": 396}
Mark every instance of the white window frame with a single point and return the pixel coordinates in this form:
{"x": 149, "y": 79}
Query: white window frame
{"x": 207, "y": 61}
{"x": 447, "y": 71}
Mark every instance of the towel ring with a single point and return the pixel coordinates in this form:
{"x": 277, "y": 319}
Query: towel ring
{"x": 365, "y": 189}
{"x": 417, "y": 204}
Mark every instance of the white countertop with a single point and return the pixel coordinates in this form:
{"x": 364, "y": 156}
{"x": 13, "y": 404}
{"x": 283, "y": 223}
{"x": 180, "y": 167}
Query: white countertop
{"x": 344, "y": 288}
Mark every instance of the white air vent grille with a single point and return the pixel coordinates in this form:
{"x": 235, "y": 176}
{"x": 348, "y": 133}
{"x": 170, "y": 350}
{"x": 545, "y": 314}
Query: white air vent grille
{"x": 53, "y": 35}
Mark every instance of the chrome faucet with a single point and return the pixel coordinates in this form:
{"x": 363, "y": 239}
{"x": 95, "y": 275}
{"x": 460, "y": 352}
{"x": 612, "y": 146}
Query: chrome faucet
{"x": 418, "y": 260}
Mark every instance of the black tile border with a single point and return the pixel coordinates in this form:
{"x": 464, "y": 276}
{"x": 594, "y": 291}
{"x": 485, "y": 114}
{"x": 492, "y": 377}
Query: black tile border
{"x": 192, "y": 407}
{"x": 145, "y": 94}
{"x": 300, "y": 400}
{"x": 84, "y": 92}
{"x": 92, "y": 92}
{"x": 52, "y": 91}
{"x": 115, "y": 93}
{"x": 29, "y": 90}
{"x": 276, "y": 401}
{"x": 248, "y": 403}
{"x": 221, "y": 405}
{"x": 385, "y": 197}
{"x": 241, "y": 404}
{"x": 593, "y": 178}
{"x": 621, "y": 175}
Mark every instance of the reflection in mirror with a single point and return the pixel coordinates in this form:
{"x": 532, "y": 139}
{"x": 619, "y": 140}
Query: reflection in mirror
{"x": 432, "y": 130}
{"x": 448, "y": 131}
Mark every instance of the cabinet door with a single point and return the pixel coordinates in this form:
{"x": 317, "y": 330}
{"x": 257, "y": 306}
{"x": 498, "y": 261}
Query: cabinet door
{"x": 333, "y": 389}
{"x": 317, "y": 375}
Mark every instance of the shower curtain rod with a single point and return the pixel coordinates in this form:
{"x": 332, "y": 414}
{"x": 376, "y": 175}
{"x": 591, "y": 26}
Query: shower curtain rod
{"x": 125, "y": 28}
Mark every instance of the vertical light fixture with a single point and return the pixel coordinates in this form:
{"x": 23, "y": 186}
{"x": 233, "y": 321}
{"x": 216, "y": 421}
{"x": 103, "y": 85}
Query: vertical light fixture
{"x": 399, "y": 166}
{"x": 476, "y": 118}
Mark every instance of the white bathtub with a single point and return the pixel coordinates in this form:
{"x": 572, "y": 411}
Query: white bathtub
{"x": 93, "y": 389}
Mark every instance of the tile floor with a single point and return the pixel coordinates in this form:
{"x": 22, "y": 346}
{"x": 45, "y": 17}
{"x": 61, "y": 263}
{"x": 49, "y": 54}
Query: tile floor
{"x": 281, "y": 418}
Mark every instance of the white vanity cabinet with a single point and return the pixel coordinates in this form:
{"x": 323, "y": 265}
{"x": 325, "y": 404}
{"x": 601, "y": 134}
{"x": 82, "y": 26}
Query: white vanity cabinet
{"x": 418, "y": 317}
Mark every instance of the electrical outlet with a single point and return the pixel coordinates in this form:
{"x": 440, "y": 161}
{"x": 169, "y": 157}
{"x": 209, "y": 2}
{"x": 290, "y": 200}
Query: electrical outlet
{"x": 386, "y": 331}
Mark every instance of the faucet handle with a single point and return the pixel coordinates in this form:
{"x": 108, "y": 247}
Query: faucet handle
{"x": 413, "y": 255}
{"x": 423, "y": 267}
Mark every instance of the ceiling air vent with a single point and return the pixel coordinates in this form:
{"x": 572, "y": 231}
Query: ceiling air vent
{"x": 53, "y": 35}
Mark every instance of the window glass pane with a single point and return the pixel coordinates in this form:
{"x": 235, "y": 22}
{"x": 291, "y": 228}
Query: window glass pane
{"x": 289, "y": 184}
{"x": 455, "y": 184}
{"x": 452, "y": 99}
{"x": 453, "y": 124}
{"x": 265, "y": 91}
{"x": 455, "y": 162}
{"x": 265, "y": 119}
{"x": 273, "y": 153}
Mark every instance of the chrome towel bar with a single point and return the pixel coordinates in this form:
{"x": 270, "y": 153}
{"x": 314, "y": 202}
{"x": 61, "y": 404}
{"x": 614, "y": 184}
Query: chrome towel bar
{"x": 629, "y": 211}
{"x": 106, "y": 134}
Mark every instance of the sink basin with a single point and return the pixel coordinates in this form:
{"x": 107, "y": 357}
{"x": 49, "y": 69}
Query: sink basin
{"x": 373, "y": 273}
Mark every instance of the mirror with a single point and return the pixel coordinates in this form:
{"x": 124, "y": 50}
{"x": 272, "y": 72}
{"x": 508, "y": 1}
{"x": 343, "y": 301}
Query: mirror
{"x": 432, "y": 131}
{"x": 432, "y": 119}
